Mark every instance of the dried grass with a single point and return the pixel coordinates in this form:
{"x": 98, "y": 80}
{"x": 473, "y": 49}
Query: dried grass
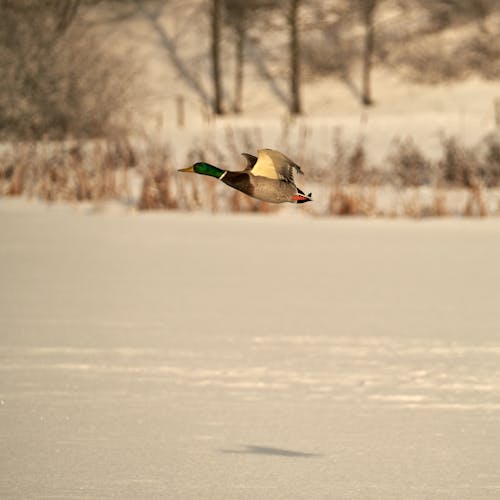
{"x": 157, "y": 190}
{"x": 461, "y": 182}
{"x": 352, "y": 200}
{"x": 408, "y": 164}
{"x": 66, "y": 171}
{"x": 475, "y": 205}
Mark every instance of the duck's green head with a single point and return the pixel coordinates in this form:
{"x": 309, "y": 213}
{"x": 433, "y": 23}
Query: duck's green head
{"x": 203, "y": 168}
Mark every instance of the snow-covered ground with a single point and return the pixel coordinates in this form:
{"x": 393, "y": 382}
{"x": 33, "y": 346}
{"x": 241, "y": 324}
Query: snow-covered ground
{"x": 186, "y": 356}
{"x": 464, "y": 110}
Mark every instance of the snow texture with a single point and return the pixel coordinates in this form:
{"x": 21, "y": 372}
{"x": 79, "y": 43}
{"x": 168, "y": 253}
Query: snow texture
{"x": 186, "y": 356}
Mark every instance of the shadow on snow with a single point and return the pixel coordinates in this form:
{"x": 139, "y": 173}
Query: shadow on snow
{"x": 267, "y": 450}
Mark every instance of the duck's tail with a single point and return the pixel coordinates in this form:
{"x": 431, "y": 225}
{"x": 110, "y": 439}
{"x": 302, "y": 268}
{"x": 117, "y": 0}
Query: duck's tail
{"x": 304, "y": 197}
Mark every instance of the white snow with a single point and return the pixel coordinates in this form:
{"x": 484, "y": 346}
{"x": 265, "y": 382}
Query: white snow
{"x": 173, "y": 355}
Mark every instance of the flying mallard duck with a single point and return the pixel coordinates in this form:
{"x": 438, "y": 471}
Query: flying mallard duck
{"x": 268, "y": 177}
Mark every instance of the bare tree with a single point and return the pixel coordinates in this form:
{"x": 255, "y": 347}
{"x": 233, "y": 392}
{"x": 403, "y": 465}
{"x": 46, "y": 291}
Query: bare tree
{"x": 56, "y": 77}
{"x": 368, "y": 16}
{"x": 420, "y": 53}
{"x": 294, "y": 43}
{"x": 239, "y": 66}
{"x": 448, "y": 12}
{"x": 215, "y": 17}
{"x": 67, "y": 11}
{"x": 237, "y": 12}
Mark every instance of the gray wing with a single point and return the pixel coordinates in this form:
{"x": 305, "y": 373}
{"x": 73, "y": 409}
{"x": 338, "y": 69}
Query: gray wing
{"x": 250, "y": 159}
{"x": 275, "y": 165}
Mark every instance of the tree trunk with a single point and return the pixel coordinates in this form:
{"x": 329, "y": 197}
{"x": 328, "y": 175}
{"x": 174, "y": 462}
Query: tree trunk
{"x": 216, "y": 21}
{"x": 67, "y": 10}
{"x": 368, "y": 7}
{"x": 295, "y": 104}
{"x": 238, "y": 75}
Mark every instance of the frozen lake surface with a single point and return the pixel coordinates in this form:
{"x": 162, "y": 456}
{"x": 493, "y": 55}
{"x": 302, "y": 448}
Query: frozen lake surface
{"x": 190, "y": 356}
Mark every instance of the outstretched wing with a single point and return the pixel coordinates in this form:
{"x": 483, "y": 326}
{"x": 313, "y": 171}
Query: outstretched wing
{"x": 275, "y": 165}
{"x": 250, "y": 159}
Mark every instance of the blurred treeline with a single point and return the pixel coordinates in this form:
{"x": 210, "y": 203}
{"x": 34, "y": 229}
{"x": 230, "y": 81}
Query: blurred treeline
{"x": 60, "y": 78}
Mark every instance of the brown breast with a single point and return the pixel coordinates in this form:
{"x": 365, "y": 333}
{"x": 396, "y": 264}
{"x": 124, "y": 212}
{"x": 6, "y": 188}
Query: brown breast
{"x": 239, "y": 181}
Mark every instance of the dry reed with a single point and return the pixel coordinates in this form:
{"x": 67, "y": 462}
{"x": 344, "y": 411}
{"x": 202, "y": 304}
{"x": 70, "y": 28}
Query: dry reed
{"x": 142, "y": 174}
